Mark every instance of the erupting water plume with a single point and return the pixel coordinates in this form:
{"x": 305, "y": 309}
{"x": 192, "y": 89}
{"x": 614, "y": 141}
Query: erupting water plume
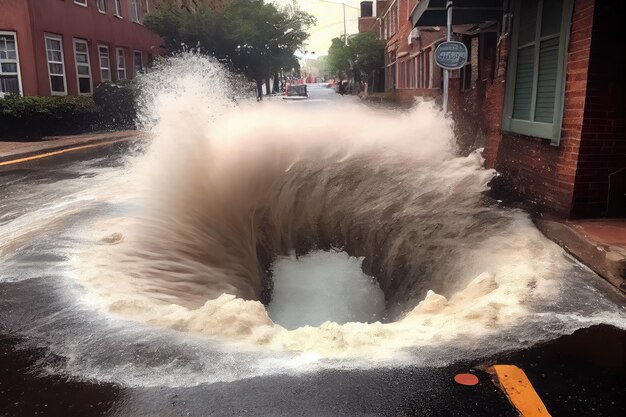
{"x": 224, "y": 189}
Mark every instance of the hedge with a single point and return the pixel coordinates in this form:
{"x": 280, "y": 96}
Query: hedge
{"x": 27, "y": 118}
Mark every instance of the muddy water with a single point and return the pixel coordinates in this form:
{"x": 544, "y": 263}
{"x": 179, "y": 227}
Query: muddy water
{"x": 156, "y": 270}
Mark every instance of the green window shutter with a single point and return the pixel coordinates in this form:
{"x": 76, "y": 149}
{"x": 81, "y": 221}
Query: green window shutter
{"x": 524, "y": 83}
{"x": 546, "y": 80}
{"x": 535, "y": 80}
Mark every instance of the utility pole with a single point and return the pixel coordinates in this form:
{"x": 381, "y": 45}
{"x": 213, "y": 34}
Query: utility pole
{"x": 343, "y": 4}
{"x": 446, "y": 73}
{"x": 345, "y": 33}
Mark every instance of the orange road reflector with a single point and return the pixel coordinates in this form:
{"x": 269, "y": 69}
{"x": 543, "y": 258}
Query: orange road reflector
{"x": 515, "y": 384}
{"x": 466, "y": 379}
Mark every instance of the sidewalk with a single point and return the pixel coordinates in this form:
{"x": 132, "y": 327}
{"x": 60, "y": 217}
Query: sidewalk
{"x": 598, "y": 243}
{"x": 16, "y": 150}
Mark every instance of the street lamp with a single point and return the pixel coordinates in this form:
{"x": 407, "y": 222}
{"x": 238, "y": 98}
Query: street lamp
{"x": 345, "y": 33}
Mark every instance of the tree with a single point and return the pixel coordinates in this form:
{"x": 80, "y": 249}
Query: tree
{"x": 367, "y": 54}
{"x": 363, "y": 54}
{"x": 249, "y": 36}
{"x": 338, "y": 60}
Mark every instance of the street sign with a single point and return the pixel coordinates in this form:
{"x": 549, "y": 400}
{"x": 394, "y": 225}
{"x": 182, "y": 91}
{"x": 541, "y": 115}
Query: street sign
{"x": 451, "y": 55}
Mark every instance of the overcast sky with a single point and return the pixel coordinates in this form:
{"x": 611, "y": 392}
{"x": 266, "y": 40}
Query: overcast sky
{"x": 329, "y": 21}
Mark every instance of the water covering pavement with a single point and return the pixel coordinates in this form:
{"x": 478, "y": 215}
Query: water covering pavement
{"x": 36, "y": 309}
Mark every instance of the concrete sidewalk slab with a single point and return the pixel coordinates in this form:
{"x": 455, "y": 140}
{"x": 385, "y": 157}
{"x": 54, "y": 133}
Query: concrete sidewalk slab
{"x": 16, "y": 150}
{"x": 600, "y": 244}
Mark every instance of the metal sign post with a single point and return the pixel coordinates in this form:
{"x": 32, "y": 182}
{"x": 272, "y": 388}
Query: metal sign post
{"x": 446, "y": 72}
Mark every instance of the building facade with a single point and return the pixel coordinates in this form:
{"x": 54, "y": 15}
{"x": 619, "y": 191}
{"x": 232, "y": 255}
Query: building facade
{"x": 542, "y": 91}
{"x": 410, "y": 70}
{"x": 68, "y": 47}
{"x": 368, "y": 22}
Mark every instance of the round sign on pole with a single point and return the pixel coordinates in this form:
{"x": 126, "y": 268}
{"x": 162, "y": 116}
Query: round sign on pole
{"x": 451, "y": 55}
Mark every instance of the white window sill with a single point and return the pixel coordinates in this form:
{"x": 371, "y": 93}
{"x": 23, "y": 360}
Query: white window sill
{"x": 81, "y": 5}
{"x": 118, "y": 16}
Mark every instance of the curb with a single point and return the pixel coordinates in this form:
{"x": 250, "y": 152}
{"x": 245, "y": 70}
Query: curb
{"x": 607, "y": 261}
{"x": 57, "y": 148}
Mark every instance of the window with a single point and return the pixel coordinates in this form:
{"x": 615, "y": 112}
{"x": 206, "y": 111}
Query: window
{"x": 134, "y": 16}
{"x": 121, "y": 64}
{"x": 56, "y": 67}
{"x": 138, "y": 56}
{"x": 535, "y": 80}
{"x": 83, "y": 70}
{"x": 9, "y": 65}
{"x": 415, "y": 71}
{"x": 105, "y": 63}
{"x": 102, "y": 5}
{"x": 81, "y": 2}
{"x": 118, "y": 8}
{"x": 390, "y": 21}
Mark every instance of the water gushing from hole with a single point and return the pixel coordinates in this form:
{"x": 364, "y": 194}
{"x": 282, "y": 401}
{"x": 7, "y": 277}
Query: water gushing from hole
{"x": 323, "y": 286}
{"x": 225, "y": 190}
{"x": 174, "y": 250}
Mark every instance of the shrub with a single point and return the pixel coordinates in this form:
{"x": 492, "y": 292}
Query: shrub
{"x": 33, "y": 117}
{"x": 116, "y": 103}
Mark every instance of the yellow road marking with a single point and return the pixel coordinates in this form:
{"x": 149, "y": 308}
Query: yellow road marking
{"x": 519, "y": 390}
{"x": 61, "y": 151}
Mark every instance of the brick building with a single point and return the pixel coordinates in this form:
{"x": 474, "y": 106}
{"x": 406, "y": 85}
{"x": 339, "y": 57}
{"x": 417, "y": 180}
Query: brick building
{"x": 543, "y": 91}
{"x": 60, "y": 47}
{"x": 368, "y": 22}
{"x": 410, "y": 70}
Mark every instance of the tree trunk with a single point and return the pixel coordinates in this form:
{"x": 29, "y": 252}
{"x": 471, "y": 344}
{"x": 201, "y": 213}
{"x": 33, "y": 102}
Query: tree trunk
{"x": 259, "y": 89}
{"x": 268, "y": 86}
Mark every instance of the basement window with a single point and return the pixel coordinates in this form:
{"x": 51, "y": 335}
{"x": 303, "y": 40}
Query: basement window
{"x": 535, "y": 84}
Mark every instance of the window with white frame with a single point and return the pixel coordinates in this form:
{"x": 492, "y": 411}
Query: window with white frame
{"x": 81, "y": 2}
{"x": 101, "y": 5}
{"x": 105, "y": 63}
{"x": 121, "y": 64}
{"x": 9, "y": 64}
{"x": 535, "y": 84}
{"x": 134, "y": 15}
{"x": 56, "y": 65}
{"x": 138, "y": 61}
{"x": 83, "y": 69}
{"x": 118, "y": 8}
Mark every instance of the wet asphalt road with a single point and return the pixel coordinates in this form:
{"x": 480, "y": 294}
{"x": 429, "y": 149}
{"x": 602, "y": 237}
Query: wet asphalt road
{"x": 578, "y": 375}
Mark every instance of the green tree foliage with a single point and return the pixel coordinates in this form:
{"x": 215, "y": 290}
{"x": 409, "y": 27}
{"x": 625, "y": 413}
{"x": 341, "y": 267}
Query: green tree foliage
{"x": 250, "y": 36}
{"x": 359, "y": 58}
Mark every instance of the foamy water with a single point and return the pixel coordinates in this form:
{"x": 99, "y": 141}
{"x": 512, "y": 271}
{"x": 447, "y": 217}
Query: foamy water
{"x": 192, "y": 227}
{"x": 323, "y": 286}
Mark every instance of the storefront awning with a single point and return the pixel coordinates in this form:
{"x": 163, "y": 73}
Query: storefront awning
{"x": 433, "y": 12}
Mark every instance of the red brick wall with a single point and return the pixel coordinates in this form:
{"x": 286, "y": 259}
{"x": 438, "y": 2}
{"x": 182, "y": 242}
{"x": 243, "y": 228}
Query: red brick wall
{"x": 14, "y": 17}
{"x": 31, "y": 20}
{"x": 543, "y": 173}
{"x": 494, "y": 104}
{"x": 603, "y": 142}
{"x": 369, "y": 24}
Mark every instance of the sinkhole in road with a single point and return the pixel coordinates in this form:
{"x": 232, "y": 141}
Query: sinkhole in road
{"x": 323, "y": 286}
{"x": 223, "y": 194}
